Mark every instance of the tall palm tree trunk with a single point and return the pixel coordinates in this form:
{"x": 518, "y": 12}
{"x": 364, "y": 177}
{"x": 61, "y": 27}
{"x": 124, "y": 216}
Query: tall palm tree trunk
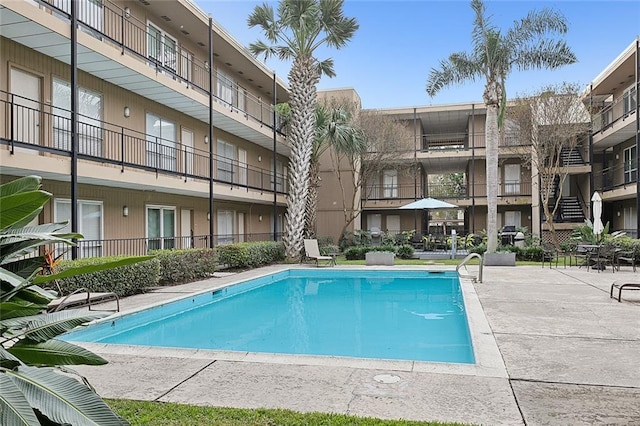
{"x": 311, "y": 206}
{"x": 303, "y": 77}
{"x": 492, "y": 96}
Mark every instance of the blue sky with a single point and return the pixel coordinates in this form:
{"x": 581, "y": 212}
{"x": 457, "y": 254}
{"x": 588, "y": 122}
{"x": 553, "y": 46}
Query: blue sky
{"x": 399, "y": 41}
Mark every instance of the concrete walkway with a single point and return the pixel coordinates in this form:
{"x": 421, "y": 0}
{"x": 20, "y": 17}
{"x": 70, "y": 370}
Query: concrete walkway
{"x": 571, "y": 356}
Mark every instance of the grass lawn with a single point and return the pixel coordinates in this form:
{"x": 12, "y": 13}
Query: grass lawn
{"x": 168, "y": 414}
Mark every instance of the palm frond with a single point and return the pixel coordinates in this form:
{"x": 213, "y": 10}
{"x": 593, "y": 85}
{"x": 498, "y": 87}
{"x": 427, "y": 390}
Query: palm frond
{"x": 23, "y": 184}
{"x": 14, "y": 406}
{"x": 62, "y": 399}
{"x": 460, "y": 67}
{"x": 549, "y": 54}
{"x": 54, "y": 352}
{"x": 40, "y": 328}
{"x": 22, "y": 207}
{"x": 326, "y": 68}
{"x": 20, "y": 308}
{"x": 263, "y": 17}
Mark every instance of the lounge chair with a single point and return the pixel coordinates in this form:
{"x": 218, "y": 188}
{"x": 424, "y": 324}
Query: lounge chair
{"x": 621, "y": 285}
{"x": 82, "y": 297}
{"x": 313, "y": 252}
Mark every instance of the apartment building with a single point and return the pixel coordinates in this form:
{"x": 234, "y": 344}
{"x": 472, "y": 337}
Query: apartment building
{"x": 445, "y": 159}
{"x": 170, "y": 140}
{"x": 615, "y": 139}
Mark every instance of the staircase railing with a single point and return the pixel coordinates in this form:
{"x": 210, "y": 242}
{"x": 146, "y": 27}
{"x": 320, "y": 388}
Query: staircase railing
{"x": 464, "y": 263}
{"x": 581, "y": 200}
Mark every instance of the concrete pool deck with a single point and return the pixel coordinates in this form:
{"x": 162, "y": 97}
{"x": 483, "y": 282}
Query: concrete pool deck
{"x": 568, "y": 354}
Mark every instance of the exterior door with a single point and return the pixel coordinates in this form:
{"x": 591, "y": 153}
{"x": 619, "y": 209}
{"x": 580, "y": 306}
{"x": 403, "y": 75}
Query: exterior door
{"x": 242, "y": 166}
{"x": 241, "y": 227}
{"x": 187, "y": 150}
{"x": 185, "y": 228}
{"x": 27, "y": 90}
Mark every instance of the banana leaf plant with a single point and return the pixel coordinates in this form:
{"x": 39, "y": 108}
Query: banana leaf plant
{"x": 36, "y": 387}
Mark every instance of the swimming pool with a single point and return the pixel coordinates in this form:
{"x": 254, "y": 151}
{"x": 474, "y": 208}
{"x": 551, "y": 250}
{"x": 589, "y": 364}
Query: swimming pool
{"x": 382, "y": 314}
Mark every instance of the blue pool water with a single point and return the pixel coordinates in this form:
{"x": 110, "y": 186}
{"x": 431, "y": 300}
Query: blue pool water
{"x": 408, "y": 315}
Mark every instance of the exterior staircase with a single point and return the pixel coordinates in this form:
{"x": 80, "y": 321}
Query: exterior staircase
{"x": 571, "y": 157}
{"x": 571, "y": 210}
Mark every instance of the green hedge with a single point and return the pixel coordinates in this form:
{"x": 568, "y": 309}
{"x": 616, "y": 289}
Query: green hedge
{"x": 359, "y": 252}
{"x": 124, "y": 281}
{"x": 246, "y": 255}
{"x": 185, "y": 265}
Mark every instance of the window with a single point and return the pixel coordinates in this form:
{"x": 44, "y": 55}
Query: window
{"x": 225, "y": 226}
{"x": 512, "y": 179}
{"x": 390, "y": 182}
{"x": 512, "y": 218}
{"x": 161, "y": 227}
{"x": 186, "y": 64}
{"x": 89, "y": 225}
{"x": 281, "y": 176}
{"x": 89, "y": 11}
{"x": 374, "y": 220}
{"x": 161, "y": 143}
{"x": 630, "y": 164}
{"x": 373, "y": 187}
{"x": 89, "y": 119}
{"x": 241, "y": 98}
{"x": 393, "y": 223}
{"x": 630, "y": 100}
{"x": 224, "y": 87}
{"x": 226, "y": 160}
{"x": 630, "y": 219}
{"x": 161, "y": 47}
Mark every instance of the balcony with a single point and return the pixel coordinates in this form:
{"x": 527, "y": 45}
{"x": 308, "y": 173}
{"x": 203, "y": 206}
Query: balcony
{"x": 408, "y": 193}
{"x": 618, "y": 182}
{"x": 128, "y": 55}
{"x": 33, "y": 127}
{"x": 616, "y": 122}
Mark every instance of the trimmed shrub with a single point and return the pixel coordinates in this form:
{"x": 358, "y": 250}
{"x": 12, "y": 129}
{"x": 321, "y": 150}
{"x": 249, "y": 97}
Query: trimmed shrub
{"x": 405, "y": 251}
{"x": 124, "y": 281}
{"x": 359, "y": 252}
{"x": 185, "y": 265}
{"x": 532, "y": 253}
{"x": 244, "y": 255}
{"x": 327, "y": 249}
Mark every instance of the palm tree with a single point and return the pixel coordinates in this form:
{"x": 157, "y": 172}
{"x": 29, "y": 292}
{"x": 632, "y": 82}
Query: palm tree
{"x": 300, "y": 27}
{"x": 334, "y": 130}
{"x": 529, "y": 44}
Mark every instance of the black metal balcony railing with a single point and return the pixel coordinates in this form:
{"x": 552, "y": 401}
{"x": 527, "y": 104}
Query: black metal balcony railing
{"x": 40, "y": 127}
{"x": 617, "y": 176}
{"x": 445, "y": 191}
{"x": 116, "y": 26}
{"x": 620, "y": 109}
{"x": 142, "y": 246}
{"x": 386, "y": 192}
{"x": 461, "y": 141}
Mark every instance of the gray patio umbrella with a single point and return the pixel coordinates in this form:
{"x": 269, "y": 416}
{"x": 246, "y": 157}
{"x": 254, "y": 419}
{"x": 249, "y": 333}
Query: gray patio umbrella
{"x": 428, "y": 204}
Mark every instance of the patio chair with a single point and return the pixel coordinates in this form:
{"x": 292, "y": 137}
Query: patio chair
{"x": 550, "y": 254}
{"x": 631, "y": 257}
{"x": 584, "y": 253}
{"x": 312, "y": 252}
{"x": 606, "y": 255}
{"x": 621, "y": 285}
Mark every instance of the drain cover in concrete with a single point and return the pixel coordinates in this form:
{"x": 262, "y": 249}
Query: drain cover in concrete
{"x": 386, "y": 378}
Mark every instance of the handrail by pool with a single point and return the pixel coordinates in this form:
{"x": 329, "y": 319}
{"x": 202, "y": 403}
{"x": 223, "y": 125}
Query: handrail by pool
{"x": 463, "y": 263}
